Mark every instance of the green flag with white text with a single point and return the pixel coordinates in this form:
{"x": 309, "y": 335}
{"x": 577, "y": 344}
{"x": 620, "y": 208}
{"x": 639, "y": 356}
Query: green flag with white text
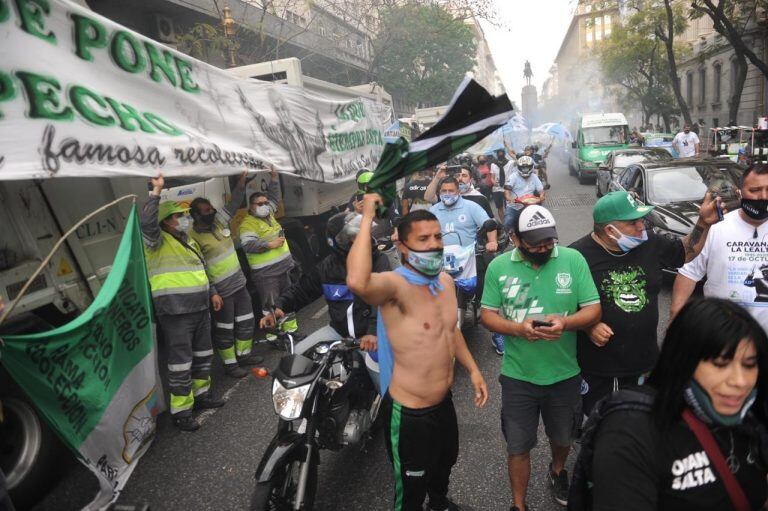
{"x": 95, "y": 378}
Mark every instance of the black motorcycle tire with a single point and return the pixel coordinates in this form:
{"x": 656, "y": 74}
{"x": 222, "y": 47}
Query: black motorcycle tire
{"x": 262, "y": 499}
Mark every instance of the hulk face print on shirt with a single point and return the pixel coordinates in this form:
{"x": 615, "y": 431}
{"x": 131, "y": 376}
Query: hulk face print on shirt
{"x": 627, "y": 289}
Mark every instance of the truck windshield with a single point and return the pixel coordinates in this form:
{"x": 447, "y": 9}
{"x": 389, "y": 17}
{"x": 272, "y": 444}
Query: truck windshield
{"x": 605, "y": 135}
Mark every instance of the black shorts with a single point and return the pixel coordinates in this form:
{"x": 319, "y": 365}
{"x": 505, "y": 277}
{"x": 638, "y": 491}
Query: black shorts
{"x": 423, "y": 444}
{"x": 559, "y": 405}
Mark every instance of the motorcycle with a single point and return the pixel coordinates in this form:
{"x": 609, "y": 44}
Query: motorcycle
{"x": 324, "y": 399}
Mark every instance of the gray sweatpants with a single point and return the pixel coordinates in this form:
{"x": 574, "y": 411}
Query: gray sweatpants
{"x": 233, "y": 332}
{"x": 270, "y": 288}
{"x": 188, "y": 344}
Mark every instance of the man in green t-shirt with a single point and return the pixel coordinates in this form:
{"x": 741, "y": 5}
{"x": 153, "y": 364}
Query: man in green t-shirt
{"x": 537, "y": 296}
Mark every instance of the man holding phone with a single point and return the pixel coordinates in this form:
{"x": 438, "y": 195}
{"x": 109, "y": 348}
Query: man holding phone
{"x": 537, "y": 296}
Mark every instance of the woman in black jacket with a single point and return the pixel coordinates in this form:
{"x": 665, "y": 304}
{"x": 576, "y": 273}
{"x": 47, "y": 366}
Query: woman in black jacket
{"x": 712, "y": 374}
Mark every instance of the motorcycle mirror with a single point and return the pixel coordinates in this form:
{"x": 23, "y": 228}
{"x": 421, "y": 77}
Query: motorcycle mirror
{"x": 260, "y": 372}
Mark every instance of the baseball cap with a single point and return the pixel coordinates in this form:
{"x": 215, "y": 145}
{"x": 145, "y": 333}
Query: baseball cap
{"x": 618, "y": 206}
{"x": 168, "y": 208}
{"x": 536, "y": 224}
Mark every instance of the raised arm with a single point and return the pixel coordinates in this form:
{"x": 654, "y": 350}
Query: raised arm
{"x": 238, "y": 194}
{"x": 694, "y": 242}
{"x": 373, "y": 288}
{"x": 430, "y": 194}
{"x": 150, "y": 227}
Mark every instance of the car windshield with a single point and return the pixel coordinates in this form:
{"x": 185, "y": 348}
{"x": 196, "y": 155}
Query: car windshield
{"x": 624, "y": 160}
{"x": 605, "y": 135}
{"x": 682, "y": 184}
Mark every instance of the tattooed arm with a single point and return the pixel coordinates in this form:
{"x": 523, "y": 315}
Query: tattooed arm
{"x": 694, "y": 242}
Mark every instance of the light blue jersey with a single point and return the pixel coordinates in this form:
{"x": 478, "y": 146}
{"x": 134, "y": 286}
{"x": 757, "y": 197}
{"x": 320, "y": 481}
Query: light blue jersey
{"x": 519, "y": 186}
{"x": 464, "y": 219}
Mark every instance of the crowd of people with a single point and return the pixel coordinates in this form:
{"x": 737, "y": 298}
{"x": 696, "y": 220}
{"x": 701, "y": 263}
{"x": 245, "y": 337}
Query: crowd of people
{"x": 681, "y": 427}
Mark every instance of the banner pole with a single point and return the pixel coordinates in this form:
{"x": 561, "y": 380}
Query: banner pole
{"x": 50, "y": 255}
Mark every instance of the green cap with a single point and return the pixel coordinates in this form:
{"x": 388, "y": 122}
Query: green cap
{"x": 168, "y": 208}
{"x": 618, "y": 206}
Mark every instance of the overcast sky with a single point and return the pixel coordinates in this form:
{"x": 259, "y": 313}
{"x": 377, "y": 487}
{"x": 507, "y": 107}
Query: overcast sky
{"x": 533, "y": 30}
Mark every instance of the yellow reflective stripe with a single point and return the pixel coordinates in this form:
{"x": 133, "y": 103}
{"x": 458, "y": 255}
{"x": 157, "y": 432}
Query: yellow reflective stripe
{"x": 200, "y": 386}
{"x": 182, "y": 279}
{"x": 243, "y": 347}
{"x": 159, "y": 270}
{"x": 220, "y": 255}
{"x": 227, "y": 266}
{"x": 181, "y": 403}
{"x": 268, "y": 258}
{"x": 228, "y": 355}
{"x": 290, "y": 326}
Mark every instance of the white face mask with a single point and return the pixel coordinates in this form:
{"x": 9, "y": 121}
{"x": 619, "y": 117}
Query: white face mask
{"x": 262, "y": 211}
{"x": 184, "y": 224}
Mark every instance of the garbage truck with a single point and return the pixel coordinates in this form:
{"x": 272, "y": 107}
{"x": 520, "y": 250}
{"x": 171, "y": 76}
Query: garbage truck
{"x": 36, "y": 213}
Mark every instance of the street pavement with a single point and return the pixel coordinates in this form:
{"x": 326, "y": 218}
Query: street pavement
{"x": 212, "y": 469}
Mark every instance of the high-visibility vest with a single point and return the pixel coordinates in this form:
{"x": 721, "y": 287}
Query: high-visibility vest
{"x": 175, "y": 269}
{"x": 252, "y": 226}
{"x": 218, "y": 251}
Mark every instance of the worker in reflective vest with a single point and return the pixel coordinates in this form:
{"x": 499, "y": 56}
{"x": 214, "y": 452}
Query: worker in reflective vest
{"x": 234, "y": 322}
{"x": 181, "y": 293}
{"x": 265, "y": 245}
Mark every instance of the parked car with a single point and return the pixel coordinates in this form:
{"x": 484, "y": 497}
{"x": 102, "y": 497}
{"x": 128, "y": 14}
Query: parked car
{"x": 677, "y": 188}
{"x": 618, "y": 160}
{"x": 663, "y": 140}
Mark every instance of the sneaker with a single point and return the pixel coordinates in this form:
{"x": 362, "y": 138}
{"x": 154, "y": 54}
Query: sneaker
{"x": 498, "y": 343}
{"x": 250, "y": 360}
{"x": 208, "y": 402}
{"x": 560, "y": 485}
{"x": 450, "y": 506}
{"x": 186, "y": 423}
{"x": 235, "y": 371}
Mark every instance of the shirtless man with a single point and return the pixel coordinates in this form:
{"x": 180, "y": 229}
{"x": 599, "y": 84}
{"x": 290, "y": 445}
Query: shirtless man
{"x": 418, "y": 309}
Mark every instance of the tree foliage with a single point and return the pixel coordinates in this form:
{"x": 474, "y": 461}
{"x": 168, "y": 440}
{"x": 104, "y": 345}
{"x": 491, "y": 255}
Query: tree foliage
{"x": 422, "y": 53}
{"x": 634, "y": 58}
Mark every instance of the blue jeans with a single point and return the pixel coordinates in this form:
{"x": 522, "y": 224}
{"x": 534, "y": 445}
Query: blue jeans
{"x": 510, "y": 217}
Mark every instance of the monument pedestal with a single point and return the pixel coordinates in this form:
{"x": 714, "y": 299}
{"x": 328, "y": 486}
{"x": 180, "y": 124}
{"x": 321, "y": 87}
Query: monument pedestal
{"x": 530, "y": 102}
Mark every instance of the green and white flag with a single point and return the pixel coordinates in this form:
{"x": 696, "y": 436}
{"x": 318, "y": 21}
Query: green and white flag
{"x": 472, "y": 115}
{"x": 95, "y": 378}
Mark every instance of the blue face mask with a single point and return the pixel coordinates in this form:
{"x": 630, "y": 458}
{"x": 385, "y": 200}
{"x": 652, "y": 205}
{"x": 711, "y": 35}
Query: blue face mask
{"x": 464, "y": 187}
{"x": 448, "y": 199}
{"x": 627, "y": 243}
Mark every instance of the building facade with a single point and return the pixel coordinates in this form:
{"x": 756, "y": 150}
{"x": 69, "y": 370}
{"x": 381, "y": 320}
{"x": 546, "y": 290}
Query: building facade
{"x": 575, "y": 85}
{"x": 708, "y": 75}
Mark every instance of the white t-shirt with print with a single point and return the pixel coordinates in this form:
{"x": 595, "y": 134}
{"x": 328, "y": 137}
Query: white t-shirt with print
{"x": 686, "y": 143}
{"x": 735, "y": 263}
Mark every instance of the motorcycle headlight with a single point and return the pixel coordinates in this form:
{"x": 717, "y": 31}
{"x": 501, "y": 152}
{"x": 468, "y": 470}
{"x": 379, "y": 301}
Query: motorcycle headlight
{"x": 289, "y": 402}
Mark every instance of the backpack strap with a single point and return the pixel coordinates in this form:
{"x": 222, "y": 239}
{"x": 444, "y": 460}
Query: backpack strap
{"x": 707, "y": 441}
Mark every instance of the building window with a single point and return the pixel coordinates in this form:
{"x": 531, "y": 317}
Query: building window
{"x": 689, "y": 89}
{"x": 598, "y": 25}
{"x": 717, "y": 70}
{"x": 702, "y": 86}
{"x": 607, "y": 25}
{"x": 323, "y": 32}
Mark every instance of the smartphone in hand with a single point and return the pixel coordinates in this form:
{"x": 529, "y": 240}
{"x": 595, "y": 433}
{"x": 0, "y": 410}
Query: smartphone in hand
{"x": 538, "y": 324}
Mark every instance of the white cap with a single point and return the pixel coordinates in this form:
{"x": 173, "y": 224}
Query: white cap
{"x": 536, "y": 224}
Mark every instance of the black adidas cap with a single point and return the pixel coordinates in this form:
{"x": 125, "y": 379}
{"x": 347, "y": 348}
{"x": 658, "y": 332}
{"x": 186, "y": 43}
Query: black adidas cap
{"x": 536, "y": 224}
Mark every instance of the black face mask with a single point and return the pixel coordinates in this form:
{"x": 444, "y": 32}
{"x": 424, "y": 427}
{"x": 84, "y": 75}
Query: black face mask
{"x": 209, "y": 218}
{"x": 757, "y": 209}
{"x": 537, "y": 258}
